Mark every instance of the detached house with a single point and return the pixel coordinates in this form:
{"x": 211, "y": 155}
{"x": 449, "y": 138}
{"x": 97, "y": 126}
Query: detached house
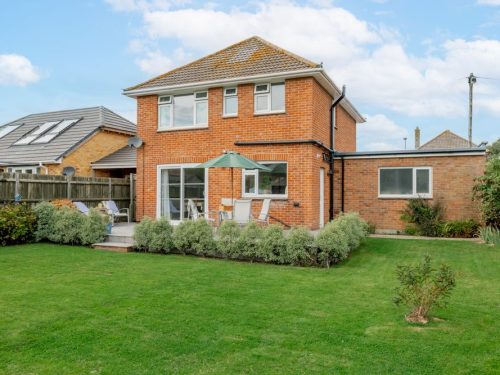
{"x": 46, "y": 143}
{"x": 285, "y": 112}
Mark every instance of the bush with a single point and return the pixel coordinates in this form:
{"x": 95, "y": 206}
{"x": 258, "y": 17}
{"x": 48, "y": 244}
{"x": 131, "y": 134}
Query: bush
{"x": 228, "y": 241}
{"x": 67, "y": 227}
{"x": 155, "y": 236}
{"x": 45, "y": 213}
{"x": 461, "y": 228}
{"x": 333, "y": 244}
{"x": 249, "y": 241}
{"x": 490, "y": 235}
{"x": 194, "y": 237}
{"x": 93, "y": 229}
{"x": 300, "y": 248}
{"x": 422, "y": 288}
{"x": 355, "y": 228}
{"x": 487, "y": 187}
{"x": 17, "y": 224}
{"x": 272, "y": 246}
{"x": 427, "y": 218}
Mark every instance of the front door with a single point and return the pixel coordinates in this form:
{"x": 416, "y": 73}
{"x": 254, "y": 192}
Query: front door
{"x": 177, "y": 185}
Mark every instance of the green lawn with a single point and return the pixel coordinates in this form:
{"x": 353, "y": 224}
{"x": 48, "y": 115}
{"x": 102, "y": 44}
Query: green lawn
{"x": 67, "y": 310}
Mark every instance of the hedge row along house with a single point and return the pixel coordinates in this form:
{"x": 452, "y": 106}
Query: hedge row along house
{"x": 285, "y": 112}
{"x": 47, "y": 143}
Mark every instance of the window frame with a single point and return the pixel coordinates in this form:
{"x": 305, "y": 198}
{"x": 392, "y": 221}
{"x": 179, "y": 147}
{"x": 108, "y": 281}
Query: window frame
{"x": 226, "y": 95}
{"x": 171, "y": 104}
{"x": 268, "y": 94}
{"x": 255, "y": 172}
{"x": 414, "y": 193}
{"x": 23, "y": 169}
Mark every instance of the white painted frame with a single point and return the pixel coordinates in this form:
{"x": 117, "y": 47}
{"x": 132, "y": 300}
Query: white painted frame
{"x": 226, "y": 95}
{"x": 414, "y": 184}
{"x": 267, "y": 94}
{"x": 171, "y": 105}
{"x": 255, "y": 172}
{"x": 23, "y": 168}
{"x": 181, "y": 166}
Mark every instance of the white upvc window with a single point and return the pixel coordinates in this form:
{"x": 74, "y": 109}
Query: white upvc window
{"x": 405, "y": 182}
{"x": 269, "y": 98}
{"x": 230, "y": 106}
{"x": 183, "y": 111}
{"x": 262, "y": 184}
{"x": 29, "y": 169}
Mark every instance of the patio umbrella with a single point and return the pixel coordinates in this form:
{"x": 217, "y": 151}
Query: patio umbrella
{"x": 231, "y": 159}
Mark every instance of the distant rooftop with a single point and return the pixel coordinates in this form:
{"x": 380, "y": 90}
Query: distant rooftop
{"x": 446, "y": 140}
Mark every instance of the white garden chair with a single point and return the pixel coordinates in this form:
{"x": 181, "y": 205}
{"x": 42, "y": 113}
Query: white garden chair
{"x": 82, "y": 207}
{"x": 116, "y": 212}
{"x": 242, "y": 211}
{"x": 264, "y": 212}
{"x": 194, "y": 214}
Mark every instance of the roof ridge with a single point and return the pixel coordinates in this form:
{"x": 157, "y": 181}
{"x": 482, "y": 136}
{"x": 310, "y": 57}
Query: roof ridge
{"x": 254, "y": 37}
{"x": 120, "y": 116}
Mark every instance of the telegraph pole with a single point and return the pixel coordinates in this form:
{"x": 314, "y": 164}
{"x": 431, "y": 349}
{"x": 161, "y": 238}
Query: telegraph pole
{"x": 472, "y": 80}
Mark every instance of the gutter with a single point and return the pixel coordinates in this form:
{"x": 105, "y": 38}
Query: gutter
{"x": 284, "y": 142}
{"x": 332, "y": 152}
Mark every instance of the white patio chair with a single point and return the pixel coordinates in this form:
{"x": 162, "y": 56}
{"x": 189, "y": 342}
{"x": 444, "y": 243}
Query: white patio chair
{"x": 194, "y": 214}
{"x": 226, "y": 215}
{"x": 264, "y": 212}
{"x": 116, "y": 212}
{"x": 82, "y": 207}
{"x": 242, "y": 211}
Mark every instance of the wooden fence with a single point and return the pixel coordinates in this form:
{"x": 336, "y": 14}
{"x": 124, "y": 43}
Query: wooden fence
{"x": 32, "y": 189}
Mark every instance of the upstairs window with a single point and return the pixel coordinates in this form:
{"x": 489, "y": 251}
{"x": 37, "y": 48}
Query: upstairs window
{"x": 269, "y": 97}
{"x": 230, "y": 102}
{"x": 183, "y": 111}
{"x": 405, "y": 182}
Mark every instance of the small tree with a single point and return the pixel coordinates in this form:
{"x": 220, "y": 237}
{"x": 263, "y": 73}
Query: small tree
{"x": 423, "y": 287}
{"x": 427, "y": 217}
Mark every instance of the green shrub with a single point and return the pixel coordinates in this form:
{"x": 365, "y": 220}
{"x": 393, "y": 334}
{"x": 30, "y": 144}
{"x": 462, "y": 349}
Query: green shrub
{"x": 194, "y": 237}
{"x": 228, "y": 241}
{"x": 93, "y": 229}
{"x": 17, "y": 224}
{"x": 143, "y": 234}
{"x": 272, "y": 246}
{"x": 422, "y": 287}
{"x": 355, "y": 228}
{"x": 249, "y": 240}
{"x": 45, "y": 213}
{"x": 427, "y": 218}
{"x": 300, "y": 248}
{"x": 490, "y": 235}
{"x": 68, "y": 224}
{"x": 461, "y": 228}
{"x": 333, "y": 245}
{"x": 411, "y": 230}
{"x": 155, "y": 236}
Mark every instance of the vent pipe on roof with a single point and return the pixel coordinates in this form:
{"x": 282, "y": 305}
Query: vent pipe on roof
{"x": 417, "y": 137}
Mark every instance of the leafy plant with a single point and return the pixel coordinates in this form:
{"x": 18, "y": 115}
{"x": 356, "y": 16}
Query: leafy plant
{"x": 273, "y": 245}
{"x": 249, "y": 240}
{"x": 45, "y": 213}
{"x": 143, "y": 234}
{"x": 422, "y": 288}
{"x": 194, "y": 236}
{"x": 333, "y": 244}
{"x": 490, "y": 235}
{"x": 68, "y": 223}
{"x": 461, "y": 228}
{"x": 161, "y": 236}
{"x": 300, "y": 248}
{"x": 427, "y": 218}
{"x": 487, "y": 187}
{"x": 93, "y": 228}
{"x": 17, "y": 224}
{"x": 228, "y": 241}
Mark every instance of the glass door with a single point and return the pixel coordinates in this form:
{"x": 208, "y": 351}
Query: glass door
{"x": 177, "y": 186}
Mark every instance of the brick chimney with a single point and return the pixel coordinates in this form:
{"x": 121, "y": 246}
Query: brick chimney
{"x": 417, "y": 137}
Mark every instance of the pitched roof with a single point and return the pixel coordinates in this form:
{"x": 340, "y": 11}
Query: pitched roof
{"x": 90, "y": 120}
{"x": 250, "y": 57}
{"x": 125, "y": 157}
{"x": 446, "y": 140}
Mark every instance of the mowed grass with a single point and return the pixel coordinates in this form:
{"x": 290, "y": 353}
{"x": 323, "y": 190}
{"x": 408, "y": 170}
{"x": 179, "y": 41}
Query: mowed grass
{"x": 71, "y": 310}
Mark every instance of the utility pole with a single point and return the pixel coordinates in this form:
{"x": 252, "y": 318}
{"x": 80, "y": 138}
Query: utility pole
{"x": 405, "y": 138}
{"x": 472, "y": 80}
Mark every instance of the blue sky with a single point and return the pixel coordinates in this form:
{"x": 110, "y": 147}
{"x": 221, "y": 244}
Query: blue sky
{"x": 404, "y": 62}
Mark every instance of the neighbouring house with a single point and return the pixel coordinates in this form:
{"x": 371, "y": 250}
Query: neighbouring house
{"x": 286, "y": 113}
{"x": 443, "y": 141}
{"x": 47, "y": 143}
{"x": 119, "y": 164}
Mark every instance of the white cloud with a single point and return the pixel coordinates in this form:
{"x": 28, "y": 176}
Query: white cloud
{"x": 17, "y": 70}
{"x": 380, "y": 133}
{"x": 488, "y": 2}
{"x": 139, "y": 5}
{"x": 155, "y": 63}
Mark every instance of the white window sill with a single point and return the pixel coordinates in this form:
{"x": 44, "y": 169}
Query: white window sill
{"x": 268, "y": 196}
{"x": 230, "y": 116}
{"x": 269, "y": 113}
{"x": 173, "y": 129}
{"x": 387, "y": 196}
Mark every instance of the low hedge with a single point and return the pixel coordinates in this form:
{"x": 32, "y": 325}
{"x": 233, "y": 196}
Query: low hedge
{"x": 17, "y": 224}
{"x": 268, "y": 244}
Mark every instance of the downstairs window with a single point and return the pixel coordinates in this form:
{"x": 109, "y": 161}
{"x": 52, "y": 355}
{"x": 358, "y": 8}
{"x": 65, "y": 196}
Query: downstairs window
{"x": 405, "y": 182}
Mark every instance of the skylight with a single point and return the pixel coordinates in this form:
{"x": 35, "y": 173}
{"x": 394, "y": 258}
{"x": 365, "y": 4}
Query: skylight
{"x": 4, "y": 130}
{"x": 36, "y": 133}
{"x": 54, "y": 132}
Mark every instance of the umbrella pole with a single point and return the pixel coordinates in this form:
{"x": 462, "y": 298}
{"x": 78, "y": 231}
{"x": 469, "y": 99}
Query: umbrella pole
{"x": 232, "y": 186}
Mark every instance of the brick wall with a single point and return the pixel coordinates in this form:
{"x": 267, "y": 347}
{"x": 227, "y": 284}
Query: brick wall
{"x": 96, "y": 147}
{"x": 453, "y": 179}
{"x": 306, "y": 103}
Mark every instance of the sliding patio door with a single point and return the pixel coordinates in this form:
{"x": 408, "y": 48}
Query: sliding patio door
{"x": 177, "y": 185}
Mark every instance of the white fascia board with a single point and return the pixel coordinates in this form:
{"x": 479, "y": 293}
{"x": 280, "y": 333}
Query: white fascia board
{"x": 415, "y": 155}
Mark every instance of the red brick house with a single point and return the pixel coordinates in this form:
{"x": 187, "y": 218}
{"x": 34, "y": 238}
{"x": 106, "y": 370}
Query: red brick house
{"x": 285, "y": 112}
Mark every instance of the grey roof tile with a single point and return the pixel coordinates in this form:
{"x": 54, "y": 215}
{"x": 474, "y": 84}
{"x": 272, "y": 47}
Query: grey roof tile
{"x": 125, "y": 157}
{"x": 446, "y": 140}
